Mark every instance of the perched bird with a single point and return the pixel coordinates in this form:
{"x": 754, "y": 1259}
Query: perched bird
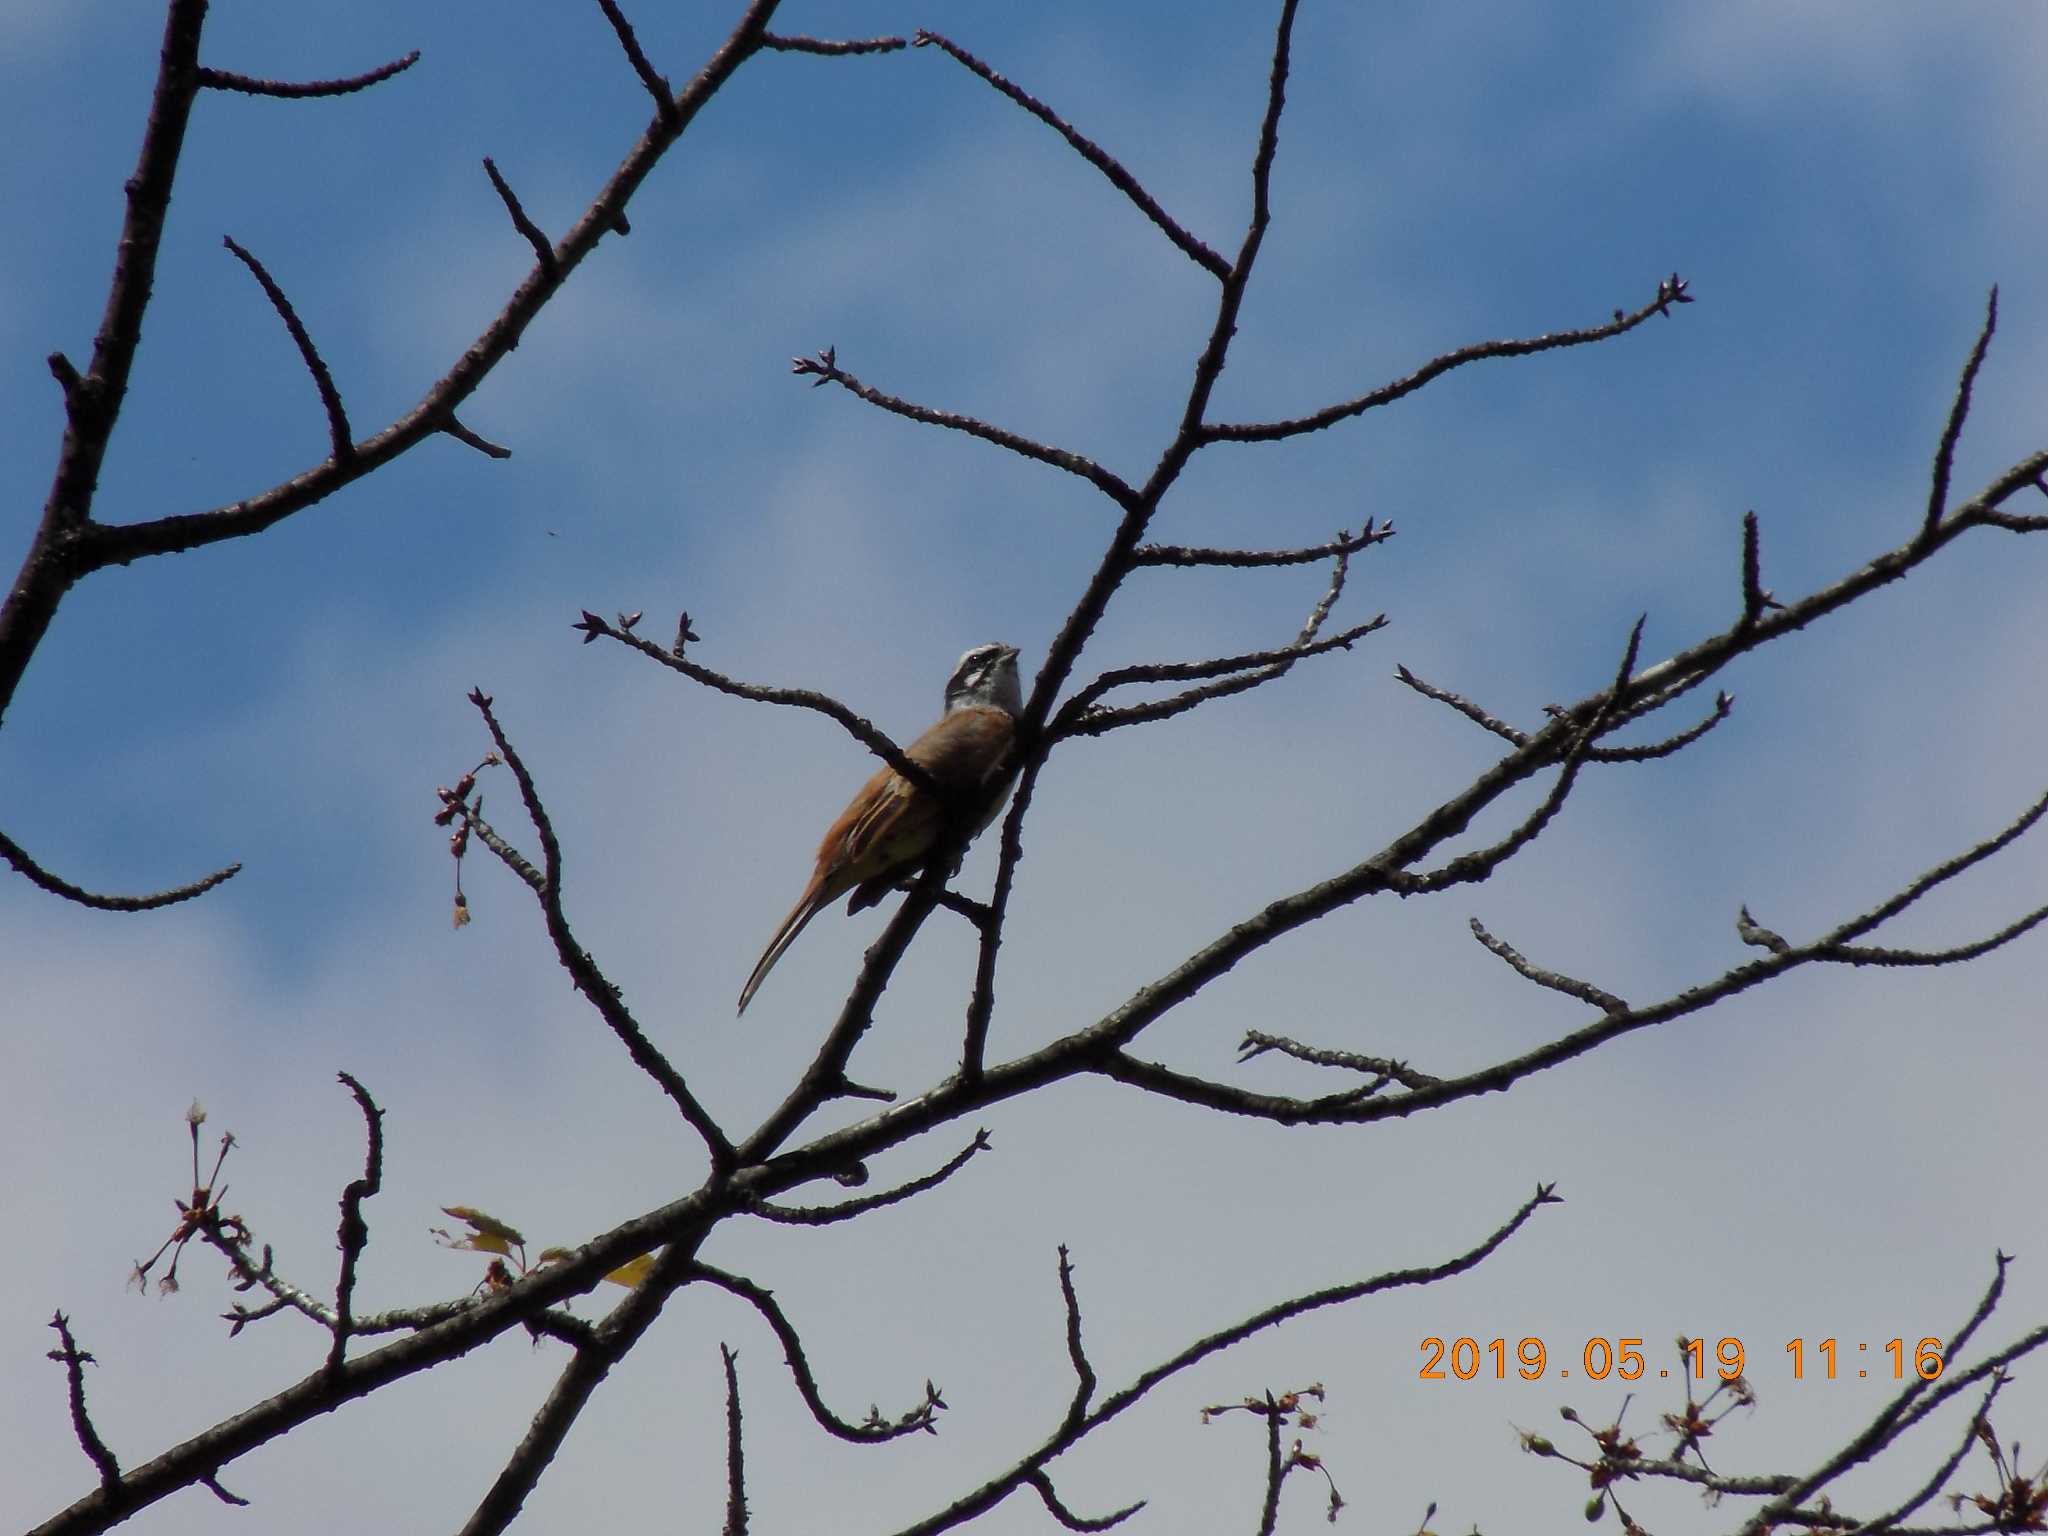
{"x": 892, "y": 824}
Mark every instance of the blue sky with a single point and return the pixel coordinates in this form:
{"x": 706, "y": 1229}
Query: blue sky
{"x": 1838, "y": 1155}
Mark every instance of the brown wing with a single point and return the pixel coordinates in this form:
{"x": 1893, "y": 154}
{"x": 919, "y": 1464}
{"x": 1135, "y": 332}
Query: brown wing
{"x": 893, "y": 825}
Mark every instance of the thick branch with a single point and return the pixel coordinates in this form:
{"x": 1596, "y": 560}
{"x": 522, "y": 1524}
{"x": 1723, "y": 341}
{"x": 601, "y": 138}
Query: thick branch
{"x": 69, "y": 545}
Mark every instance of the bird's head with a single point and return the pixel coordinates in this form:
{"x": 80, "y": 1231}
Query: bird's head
{"x": 986, "y": 675}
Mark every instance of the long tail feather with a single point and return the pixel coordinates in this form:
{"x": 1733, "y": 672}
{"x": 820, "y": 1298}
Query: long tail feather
{"x": 808, "y": 906}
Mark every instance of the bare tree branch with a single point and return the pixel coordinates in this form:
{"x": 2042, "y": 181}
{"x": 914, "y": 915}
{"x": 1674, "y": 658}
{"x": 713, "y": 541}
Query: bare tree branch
{"x": 1435, "y": 368}
{"x": 1555, "y": 981}
{"x": 339, "y": 439}
{"x": 583, "y": 971}
{"x": 1080, "y": 717}
{"x": 846, "y": 1210}
{"x": 1382, "y": 1070}
{"x": 249, "y": 85}
{"x": 354, "y": 1235}
{"x": 824, "y": 369}
{"x": 1197, "y": 252}
{"x": 832, "y": 47}
{"x": 75, "y": 1360}
{"x": 543, "y": 250}
{"x": 70, "y": 545}
{"x": 1952, "y": 429}
{"x": 876, "y": 1429}
{"x": 19, "y": 858}
{"x": 1040, "y": 1484}
{"x": 1186, "y": 555}
{"x": 735, "y": 1460}
{"x": 629, "y": 42}
{"x": 1071, "y": 1431}
{"x": 859, "y": 727}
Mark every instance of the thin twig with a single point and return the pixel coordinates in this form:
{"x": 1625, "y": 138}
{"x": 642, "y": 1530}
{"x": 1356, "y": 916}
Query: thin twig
{"x": 1069, "y": 1433}
{"x": 56, "y": 885}
{"x": 1077, "y": 1356}
{"x": 338, "y": 436}
{"x": 1958, "y": 413}
{"x": 1435, "y": 368}
{"x": 532, "y": 232}
{"x": 1470, "y": 868}
{"x": 823, "y": 368}
{"x": 1079, "y": 717}
{"x": 1556, "y": 981}
{"x": 583, "y": 971}
{"x": 75, "y": 1360}
{"x": 355, "y": 1232}
{"x": 1196, "y": 555}
{"x": 735, "y": 1463}
{"x": 824, "y": 1215}
{"x": 1038, "y": 1482}
{"x": 1195, "y": 250}
{"x": 859, "y": 727}
{"x": 249, "y": 85}
{"x": 875, "y": 1429}
{"x": 1257, "y": 1042}
{"x": 782, "y": 42}
{"x": 656, "y": 83}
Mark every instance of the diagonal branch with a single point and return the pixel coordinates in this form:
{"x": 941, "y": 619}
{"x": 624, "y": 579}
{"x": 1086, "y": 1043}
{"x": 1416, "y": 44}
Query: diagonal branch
{"x": 1191, "y": 247}
{"x": 1470, "y": 868}
{"x": 1236, "y": 674}
{"x": 859, "y": 727}
{"x": 655, "y": 82}
{"x": 824, "y": 369}
{"x": 1958, "y": 413}
{"x": 1387, "y": 394}
{"x": 583, "y": 971}
{"x": 338, "y": 436}
{"x": 543, "y": 250}
{"x": 1126, "y": 1022}
{"x": 846, "y": 1210}
{"x": 69, "y": 545}
{"x": 1070, "y": 1432}
{"x": 1555, "y": 981}
{"x": 1940, "y": 875}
